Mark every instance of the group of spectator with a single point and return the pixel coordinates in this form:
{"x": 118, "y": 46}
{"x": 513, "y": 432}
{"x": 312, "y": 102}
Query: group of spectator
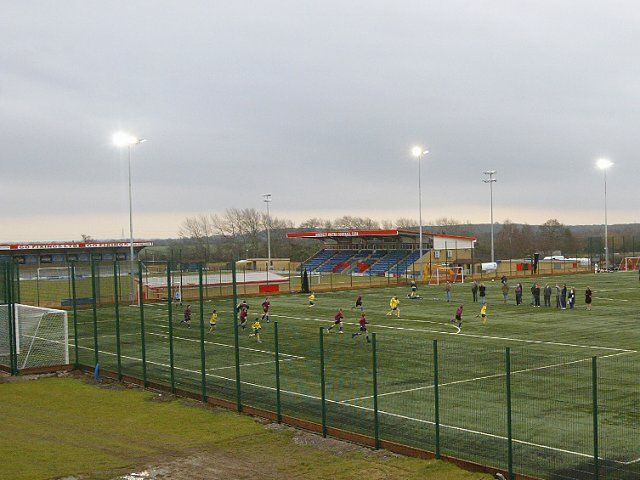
{"x": 565, "y": 296}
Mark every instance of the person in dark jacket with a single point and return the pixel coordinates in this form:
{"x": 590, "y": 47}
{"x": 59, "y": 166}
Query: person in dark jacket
{"x": 563, "y": 297}
{"x": 482, "y": 290}
{"x": 518, "y": 292}
{"x": 536, "y": 295}
{"x": 588, "y": 297}
{"x": 474, "y": 291}
{"x": 572, "y": 297}
{"x": 533, "y": 294}
{"x": 547, "y": 295}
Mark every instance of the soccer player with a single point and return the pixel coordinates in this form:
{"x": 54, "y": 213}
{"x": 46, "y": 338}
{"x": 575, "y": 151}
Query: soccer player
{"x": 213, "y": 320}
{"x": 363, "y": 328}
{"x": 256, "y": 330}
{"x": 458, "y": 317}
{"x": 312, "y": 299}
{"x": 359, "y": 303}
{"x": 243, "y": 318}
{"x": 337, "y": 320}
{"x": 178, "y": 296}
{"x": 242, "y": 306}
{"x": 588, "y": 297}
{"x": 187, "y": 317}
{"x": 483, "y": 314}
{"x": 414, "y": 287}
{"x": 394, "y": 303}
{"x": 265, "y": 310}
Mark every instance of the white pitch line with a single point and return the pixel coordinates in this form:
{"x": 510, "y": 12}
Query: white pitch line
{"x": 612, "y": 299}
{"x": 477, "y": 432}
{"x": 225, "y": 345}
{"x": 253, "y": 364}
{"x": 631, "y": 462}
{"x": 485, "y": 377}
{"x": 487, "y": 337}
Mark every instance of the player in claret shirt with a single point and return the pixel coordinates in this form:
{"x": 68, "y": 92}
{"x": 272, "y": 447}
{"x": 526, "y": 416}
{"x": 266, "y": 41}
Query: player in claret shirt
{"x": 337, "y": 321}
{"x": 265, "y": 310}
{"x": 363, "y": 328}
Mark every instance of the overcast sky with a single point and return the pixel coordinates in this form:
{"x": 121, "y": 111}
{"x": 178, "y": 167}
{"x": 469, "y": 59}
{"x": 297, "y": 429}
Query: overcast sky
{"x": 318, "y": 103}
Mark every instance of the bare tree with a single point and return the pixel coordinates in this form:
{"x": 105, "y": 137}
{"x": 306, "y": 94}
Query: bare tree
{"x": 407, "y": 223}
{"x": 198, "y": 231}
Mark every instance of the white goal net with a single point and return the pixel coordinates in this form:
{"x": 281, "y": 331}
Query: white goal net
{"x": 40, "y": 334}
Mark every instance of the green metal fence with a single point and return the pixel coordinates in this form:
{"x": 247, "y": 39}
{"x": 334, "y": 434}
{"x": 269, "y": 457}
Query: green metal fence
{"x": 522, "y": 419}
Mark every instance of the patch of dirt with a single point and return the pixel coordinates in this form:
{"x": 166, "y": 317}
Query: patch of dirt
{"x": 332, "y": 445}
{"x": 204, "y": 465}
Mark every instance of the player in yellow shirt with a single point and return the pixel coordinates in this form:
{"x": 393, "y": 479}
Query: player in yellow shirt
{"x": 212, "y": 321}
{"x": 312, "y": 299}
{"x": 394, "y": 303}
{"x": 256, "y": 330}
{"x": 483, "y": 314}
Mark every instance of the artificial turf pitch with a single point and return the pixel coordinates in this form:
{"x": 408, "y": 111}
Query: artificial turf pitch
{"x": 551, "y": 369}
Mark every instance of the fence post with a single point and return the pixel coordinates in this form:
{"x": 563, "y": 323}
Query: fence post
{"x": 323, "y": 397}
{"x": 202, "y": 353}
{"x": 509, "y": 422}
{"x": 13, "y": 357}
{"x": 95, "y": 310}
{"x": 236, "y": 338}
{"x": 17, "y": 299}
{"x": 277, "y": 352}
{"x": 75, "y": 315}
{"x": 594, "y": 381}
{"x": 436, "y": 396}
{"x": 142, "y": 332}
{"x": 116, "y": 296}
{"x": 170, "y": 312}
{"x": 376, "y": 419}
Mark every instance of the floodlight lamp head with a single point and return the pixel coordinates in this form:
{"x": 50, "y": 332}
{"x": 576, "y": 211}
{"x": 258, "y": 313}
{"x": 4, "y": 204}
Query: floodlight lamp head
{"x": 603, "y": 163}
{"x": 418, "y": 151}
{"x": 123, "y": 139}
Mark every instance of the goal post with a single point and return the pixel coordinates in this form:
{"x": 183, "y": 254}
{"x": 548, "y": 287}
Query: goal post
{"x": 439, "y": 275}
{"x": 40, "y": 336}
{"x": 629, "y": 264}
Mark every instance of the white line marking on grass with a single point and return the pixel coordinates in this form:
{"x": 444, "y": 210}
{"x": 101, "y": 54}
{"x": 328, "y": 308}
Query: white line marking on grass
{"x": 612, "y": 299}
{"x": 487, "y": 337}
{"x": 253, "y": 364}
{"x": 484, "y": 377}
{"x": 196, "y": 340}
{"x": 631, "y": 462}
{"x": 477, "y": 432}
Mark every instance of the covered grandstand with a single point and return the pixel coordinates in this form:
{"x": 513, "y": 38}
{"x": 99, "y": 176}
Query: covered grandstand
{"x": 392, "y": 252}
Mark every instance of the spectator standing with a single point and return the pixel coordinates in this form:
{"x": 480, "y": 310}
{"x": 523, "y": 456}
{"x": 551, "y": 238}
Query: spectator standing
{"x": 482, "y": 290}
{"x": 505, "y": 293}
{"x": 563, "y": 296}
{"x": 447, "y": 291}
{"x": 547, "y": 295}
{"x": 518, "y": 294}
{"x": 474, "y": 291}
{"x": 536, "y": 295}
{"x": 572, "y": 297}
{"x": 558, "y": 293}
{"x": 588, "y": 298}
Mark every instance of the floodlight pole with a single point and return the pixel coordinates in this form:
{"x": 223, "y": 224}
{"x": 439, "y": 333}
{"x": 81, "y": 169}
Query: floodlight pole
{"x": 267, "y": 200}
{"x": 491, "y": 180}
{"x": 131, "y": 252}
{"x": 420, "y": 212}
{"x": 606, "y": 225}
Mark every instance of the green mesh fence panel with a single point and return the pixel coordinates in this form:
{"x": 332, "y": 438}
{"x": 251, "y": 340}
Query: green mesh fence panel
{"x": 405, "y": 390}
{"x": 619, "y": 415}
{"x": 552, "y": 414}
{"x": 473, "y": 399}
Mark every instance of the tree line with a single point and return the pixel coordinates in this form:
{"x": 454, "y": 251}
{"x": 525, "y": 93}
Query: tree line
{"x": 242, "y": 233}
